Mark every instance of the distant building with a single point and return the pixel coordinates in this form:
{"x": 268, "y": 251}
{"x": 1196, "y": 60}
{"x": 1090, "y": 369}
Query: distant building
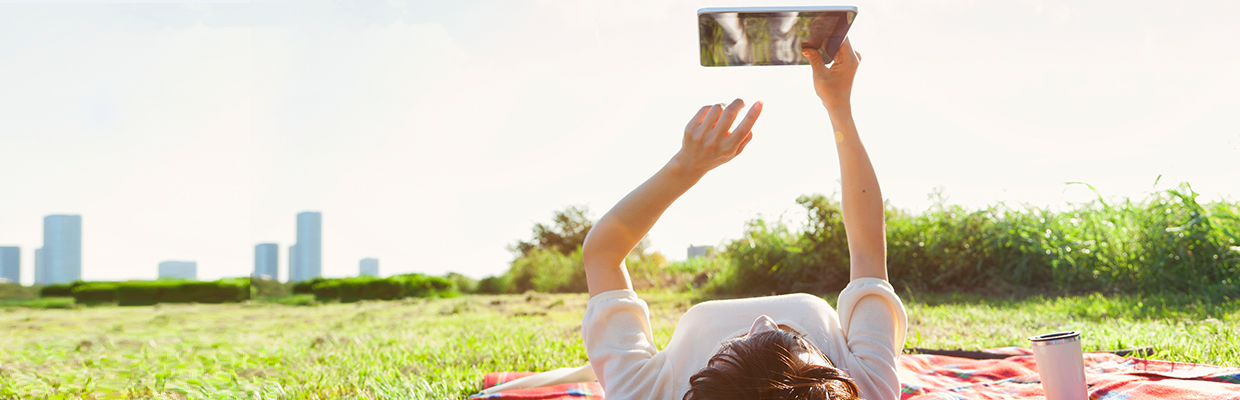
{"x": 60, "y": 259}
{"x": 292, "y": 263}
{"x": 306, "y": 262}
{"x": 700, "y": 251}
{"x": 368, "y": 266}
{"x": 11, "y": 264}
{"x": 267, "y": 261}
{"x": 178, "y": 270}
{"x": 40, "y": 273}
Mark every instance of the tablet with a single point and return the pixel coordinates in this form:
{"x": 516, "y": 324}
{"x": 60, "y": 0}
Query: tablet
{"x": 750, "y": 36}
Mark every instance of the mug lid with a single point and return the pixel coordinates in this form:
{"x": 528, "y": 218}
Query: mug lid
{"x": 1055, "y": 338}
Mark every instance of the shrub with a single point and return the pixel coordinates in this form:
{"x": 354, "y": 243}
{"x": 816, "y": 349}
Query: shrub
{"x": 391, "y": 288}
{"x": 548, "y": 271}
{"x": 177, "y": 291}
{"x": 139, "y": 293}
{"x": 1168, "y": 243}
{"x": 306, "y": 286}
{"x": 261, "y": 287}
{"x": 47, "y": 302}
{"x": 654, "y": 271}
{"x": 771, "y": 258}
{"x": 494, "y": 285}
{"x": 418, "y": 285}
{"x": 15, "y": 291}
{"x": 59, "y": 289}
{"x": 292, "y": 300}
{"x": 95, "y": 292}
{"x": 463, "y": 283}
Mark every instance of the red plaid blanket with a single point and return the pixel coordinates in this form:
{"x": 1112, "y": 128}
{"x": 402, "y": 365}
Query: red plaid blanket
{"x": 573, "y": 391}
{"x": 1108, "y": 376}
{"x": 932, "y": 377}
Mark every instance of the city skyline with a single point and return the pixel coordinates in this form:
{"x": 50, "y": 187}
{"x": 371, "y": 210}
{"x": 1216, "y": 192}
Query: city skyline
{"x": 59, "y": 260}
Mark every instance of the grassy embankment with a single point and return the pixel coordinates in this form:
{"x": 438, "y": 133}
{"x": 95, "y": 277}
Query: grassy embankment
{"x": 440, "y": 348}
{"x": 1145, "y": 254}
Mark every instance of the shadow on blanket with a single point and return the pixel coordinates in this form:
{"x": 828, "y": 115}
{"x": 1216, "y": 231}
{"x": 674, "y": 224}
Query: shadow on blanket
{"x": 931, "y": 376}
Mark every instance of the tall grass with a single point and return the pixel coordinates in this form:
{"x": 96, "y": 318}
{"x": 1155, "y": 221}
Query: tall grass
{"x": 1169, "y": 242}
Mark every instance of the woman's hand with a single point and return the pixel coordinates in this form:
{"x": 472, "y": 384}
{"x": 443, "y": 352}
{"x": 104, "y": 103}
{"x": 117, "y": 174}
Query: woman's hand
{"x": 708, "y": 143}
{"x": 834, "y": 84}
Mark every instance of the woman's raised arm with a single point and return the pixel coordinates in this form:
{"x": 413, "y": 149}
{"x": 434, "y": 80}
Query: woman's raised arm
{"x": 707, "y": 144}
{"x": 862, "y": 200}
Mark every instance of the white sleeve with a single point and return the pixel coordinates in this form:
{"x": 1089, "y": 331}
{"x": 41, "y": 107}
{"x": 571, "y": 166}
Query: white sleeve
{"x": 618, "y": 340}
{"x": 874, "y": 324}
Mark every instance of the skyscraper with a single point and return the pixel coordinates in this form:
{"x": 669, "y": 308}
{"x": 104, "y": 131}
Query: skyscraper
{"x": 40, "y": 273}
{"x": 61, "y": 258}
{"x": 293, "y": 273}
{"x": 267, "y": 261}
{"x": 178, "y": 269}
{"x": 368, "y": 266}
{"x": 11, "y": 264}
{"x": 307, "y": 259}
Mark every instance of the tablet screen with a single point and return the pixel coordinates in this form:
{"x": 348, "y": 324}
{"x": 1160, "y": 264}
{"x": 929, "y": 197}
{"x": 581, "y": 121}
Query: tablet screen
{"x": 769, "y": 38}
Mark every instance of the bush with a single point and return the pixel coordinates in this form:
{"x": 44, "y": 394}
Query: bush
{"x": 176, "y": 291}
{"x": 15, "y": 291}
{"x": 493, "y": 285}
{"x": 306, "y": 286}
{"x": 391, "y": 288}
{"x": 463, "y": 283}
{"x": 95, "y": 292}
{"x": 548, "y": 271}
{"x": 771, "y": 258}
{"x": 59, "y": 289}
{"x": 1168, "y": 243}
{"x": 261, "y": 287}
{"x": 653, "y": 271}
{"x": 44, "y": 303}
{"x": 418, "y": 285}
{"x": 292, "y": 300}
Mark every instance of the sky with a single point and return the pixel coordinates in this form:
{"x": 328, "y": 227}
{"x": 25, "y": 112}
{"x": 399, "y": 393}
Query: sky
{"x": 433, "y": 135}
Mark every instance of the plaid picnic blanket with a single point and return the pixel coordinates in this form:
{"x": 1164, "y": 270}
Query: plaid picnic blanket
{"x": 936, "y": 377}
{"x": 574, "y": 391}
{"x": 1109, "y": 377}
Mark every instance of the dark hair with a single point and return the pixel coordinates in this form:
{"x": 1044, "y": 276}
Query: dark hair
{"x": 768, "y": 366}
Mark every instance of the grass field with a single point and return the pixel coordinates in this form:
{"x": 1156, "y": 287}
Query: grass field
{"x": 440, "y": 348}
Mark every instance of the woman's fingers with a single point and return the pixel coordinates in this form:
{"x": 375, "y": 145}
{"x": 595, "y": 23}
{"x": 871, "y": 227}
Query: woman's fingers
{"x": 708, "y": 122}
{"x": 748, "y": 137}
{"x": 846, "y": 56}
{"x": 696, "y": 120}
{"x": 728, "y": 117}
{"x": 816, "y": 62}
{"x": 742, "y": 130}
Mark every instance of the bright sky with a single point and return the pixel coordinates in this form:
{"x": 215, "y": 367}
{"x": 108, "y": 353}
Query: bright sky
{"x": 431, "y": 135}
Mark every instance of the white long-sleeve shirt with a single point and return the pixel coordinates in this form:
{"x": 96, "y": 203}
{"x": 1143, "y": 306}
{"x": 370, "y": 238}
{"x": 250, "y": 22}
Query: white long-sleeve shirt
{"x": 864, "y": 338}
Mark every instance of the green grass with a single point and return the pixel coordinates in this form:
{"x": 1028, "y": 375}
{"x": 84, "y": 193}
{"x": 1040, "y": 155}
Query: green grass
{"x": 44, "y": 302}
{"x": 440, "y": 348}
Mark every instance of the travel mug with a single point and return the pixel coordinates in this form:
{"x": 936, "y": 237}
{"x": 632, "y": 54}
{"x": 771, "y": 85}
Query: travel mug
{"x": 1061, "y": 365}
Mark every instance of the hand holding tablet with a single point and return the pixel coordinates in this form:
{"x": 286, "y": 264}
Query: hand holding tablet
{"x": 755, "y": 36}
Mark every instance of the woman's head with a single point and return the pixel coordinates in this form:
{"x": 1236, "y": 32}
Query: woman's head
{"x": 769, "y": 363}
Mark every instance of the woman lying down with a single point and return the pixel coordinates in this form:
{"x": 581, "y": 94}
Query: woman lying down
{"x": 779, "y": 347}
